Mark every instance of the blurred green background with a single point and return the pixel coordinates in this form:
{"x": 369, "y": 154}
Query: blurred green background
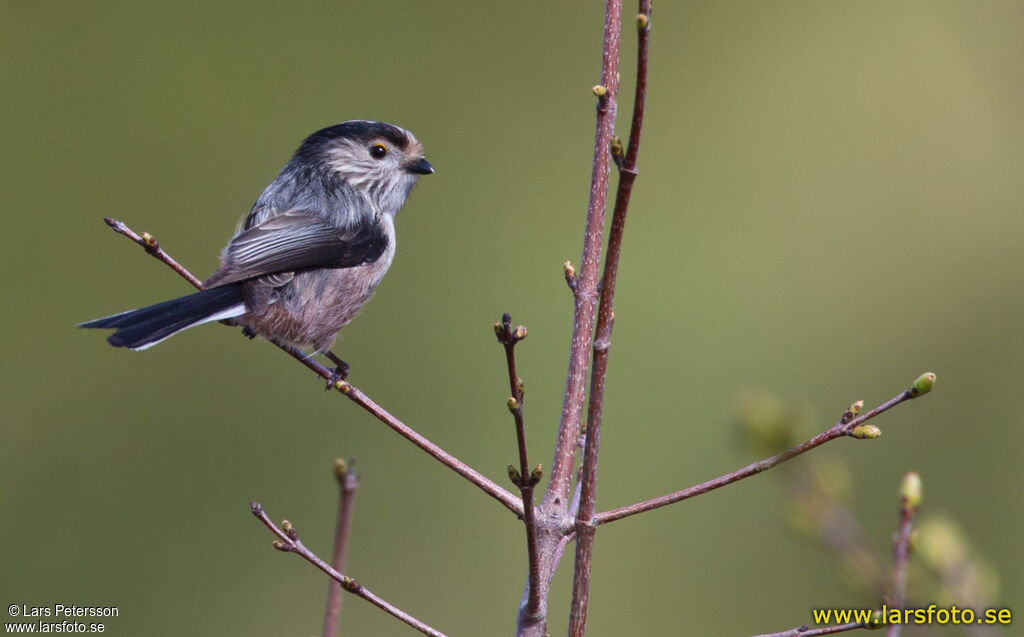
{"x": 830, "y": 203}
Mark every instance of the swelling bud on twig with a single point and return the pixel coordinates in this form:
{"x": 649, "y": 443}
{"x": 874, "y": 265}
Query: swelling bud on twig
{"x": 877, "y": 621}
{"x": 289, "y": 530}
{"x": 340, "y": 469}
{"x": 910, "y": 490}
{"x": 642, "y": 21}
{"x": 600, "y": 90}
{"x": 865, "y": 432}
{"x": 536, "y": 474}
{"x": 513, "y": 404}
{"x": 514, "y": 475}
{"x": 852, "y": 412}
{"x": 923, "y": 384}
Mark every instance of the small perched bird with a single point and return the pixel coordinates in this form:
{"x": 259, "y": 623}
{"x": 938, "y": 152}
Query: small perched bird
{"x": 311, "y": 251}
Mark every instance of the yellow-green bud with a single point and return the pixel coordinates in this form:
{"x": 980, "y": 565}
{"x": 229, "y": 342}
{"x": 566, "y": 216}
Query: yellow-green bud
{"x": 642, "y": 21}
{"x": 856, "y": 407}
{"x": 340, "y": 468}
{"x": 866, "y": 432}
{"x": 514, "y": 476}
{"x": 877, "y": 620}
{"x": 513, "y": 404}
{"x": 616, "y": 146}
{"x": 600, "y": 90}
{"x": 910, "y": 490}
{"x": 923, "y": 384}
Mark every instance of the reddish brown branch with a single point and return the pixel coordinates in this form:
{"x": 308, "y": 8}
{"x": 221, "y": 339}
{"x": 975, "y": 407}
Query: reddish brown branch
{"x": 511, "y": 502}
{"x": 910, "y": 498}
{"x": 150, "y": 245}
{"x": 807, "y": 631}
{"x": 602, "y": 340}
{"x": 524, "y": 478}
{"x": 842, "y": 428}
{"x": 288, "y": 541}
{"x": 348, "y": 484}
{"x": 585, "y": 291}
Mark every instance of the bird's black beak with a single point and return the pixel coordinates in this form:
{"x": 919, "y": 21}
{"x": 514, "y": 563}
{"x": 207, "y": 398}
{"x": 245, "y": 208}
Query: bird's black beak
{"x": 421, "y": 167}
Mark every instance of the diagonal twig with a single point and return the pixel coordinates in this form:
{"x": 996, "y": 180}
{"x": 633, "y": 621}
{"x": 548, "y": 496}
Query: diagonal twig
{"x": 852, "y": 427}
{"x": 807, "y": 631}
{"x": 488, "y": 486}
{"x": 288, "y": 542}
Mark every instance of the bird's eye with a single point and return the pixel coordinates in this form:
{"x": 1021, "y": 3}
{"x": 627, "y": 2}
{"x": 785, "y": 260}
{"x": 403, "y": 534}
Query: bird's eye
{"x": 378, "y": 151}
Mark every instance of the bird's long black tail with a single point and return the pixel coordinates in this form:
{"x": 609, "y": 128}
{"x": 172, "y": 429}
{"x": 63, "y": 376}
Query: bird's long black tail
{"x": 145, "y": 327}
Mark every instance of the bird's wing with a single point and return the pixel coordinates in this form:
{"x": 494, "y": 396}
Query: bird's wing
{"x": 298, "y": 240}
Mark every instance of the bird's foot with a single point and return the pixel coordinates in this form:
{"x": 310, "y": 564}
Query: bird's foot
{"x": 339, "y": 372}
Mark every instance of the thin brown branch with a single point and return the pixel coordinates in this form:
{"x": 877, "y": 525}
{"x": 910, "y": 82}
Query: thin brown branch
{"x": 910, "y": 498}
{"x": 150, "y": 245}
{"x": 348, "y": 484}
{"x": 510, "y": 501}
{"x": 585, "y": 528}
{"x": 585, "y": 292}
{"x": 288, "y": 542}
{"x": 525, "y": 478}
{"x": 807, "y": 631}
{"x": 845, "y": 427}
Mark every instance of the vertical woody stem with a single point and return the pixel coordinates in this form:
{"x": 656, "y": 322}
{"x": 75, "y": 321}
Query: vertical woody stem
{"x": 585, "y": 525}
